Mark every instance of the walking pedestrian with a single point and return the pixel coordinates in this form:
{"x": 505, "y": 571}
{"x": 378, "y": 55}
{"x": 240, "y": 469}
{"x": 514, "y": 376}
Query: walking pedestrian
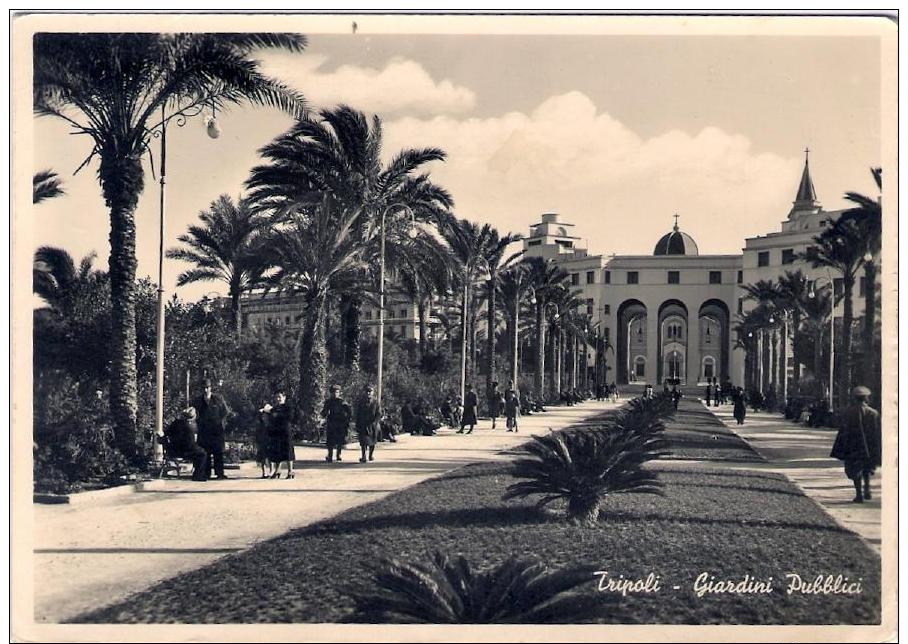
{"x": 470, "y": 402}
{"x": 495, "y": 403}
{"x": 336, "y": 413}
{"x": 368, "y": 424}
{"x": 280, "y": 437}
{"x": 511, "y": 410}
{"x": 709, "y": 390}
{"x": 676, "y": 395}
{"x": 212, "y": 413}
{"x": 715, "y": 392}
{"x": 740, "y": 403}
{"x": 263, "y": 441}
{"x": 858, "y": 442}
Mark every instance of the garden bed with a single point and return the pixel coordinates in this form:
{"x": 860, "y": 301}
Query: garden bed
{"x": 720, "y": 522}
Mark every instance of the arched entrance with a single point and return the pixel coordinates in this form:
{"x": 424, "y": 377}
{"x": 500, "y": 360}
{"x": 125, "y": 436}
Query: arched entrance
{"x": 673, "y": 340}
{"x": 631, "y": 342}
{"x": 714, "y": 328}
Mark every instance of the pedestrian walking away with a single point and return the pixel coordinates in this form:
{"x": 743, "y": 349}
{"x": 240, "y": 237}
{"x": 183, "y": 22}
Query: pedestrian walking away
{"x": 337, "y": 414}
{"x": 709, "y": 390}
{"x": 511, "y": 410}
{"x": 495, "y": 403}
{"x": 470, "y": 402}
{"x": 367, "y": 420}
{"x": 858, "y": 443}
{"x": 212, "y": 413}
{"x": 740, "y": 402}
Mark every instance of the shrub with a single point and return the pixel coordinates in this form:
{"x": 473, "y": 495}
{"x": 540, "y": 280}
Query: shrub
{"x": 443, "y": 590}
{"x": 581, "y": 467}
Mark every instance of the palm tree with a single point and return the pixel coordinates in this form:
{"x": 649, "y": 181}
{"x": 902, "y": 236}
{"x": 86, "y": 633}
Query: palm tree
{"x": 226, "y": 248}
{"x": 513, "y": 287}
{"x": 445, "y": 590}
{"x": 116, "y": 88}
{"x": 544, "y": 278}
{"x": 841, "y": 247}
{"x": 868, "y": 215}
{"x": 46, "y": 185}
{"x": 424, "y": 272}
{"x": 495, "y": 263}
{"x": 57, "y": 280}
{"x": 314, "y": 251}
{"x": 339, "y": 151}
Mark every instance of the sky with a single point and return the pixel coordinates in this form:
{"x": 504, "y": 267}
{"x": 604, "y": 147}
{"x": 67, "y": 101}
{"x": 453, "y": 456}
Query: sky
{"x": 615, "y": 133}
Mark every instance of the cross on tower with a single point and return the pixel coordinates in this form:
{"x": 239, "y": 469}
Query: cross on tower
{"x": 806, "y": 153}
{"x": 676, "y": 221}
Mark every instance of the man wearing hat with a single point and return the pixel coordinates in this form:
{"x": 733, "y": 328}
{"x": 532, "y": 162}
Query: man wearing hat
{"x": 337, "y": 414}
{"x": 212, "y": 414}
{"x": 858, "y": 443}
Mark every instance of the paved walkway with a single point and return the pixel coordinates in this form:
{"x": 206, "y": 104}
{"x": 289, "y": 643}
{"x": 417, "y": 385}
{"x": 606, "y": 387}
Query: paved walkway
{"x": 88, "y": 556}
{"x": 802, "y": 454}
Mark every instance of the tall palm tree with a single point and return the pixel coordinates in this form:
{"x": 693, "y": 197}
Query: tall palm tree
{"x": 313, "y": 251}
{"x": 425, "y": 271}
{"x": 226, "y": 248}
{"x": 544, "y": 278}
{"x": 46, "y": 185}
{"x": 468, "y": 242}
{"x": 868, "y": 215}
{"x": 496, "y": 261}
{"x": 114, "y": 87}
{"x": 840, "y": 247}
{"x": 514, "y": 287}
{"x": 339, "y": 151}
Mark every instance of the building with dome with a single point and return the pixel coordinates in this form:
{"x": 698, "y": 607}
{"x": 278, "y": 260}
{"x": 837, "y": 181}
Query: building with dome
{"x": 670, "y": 315}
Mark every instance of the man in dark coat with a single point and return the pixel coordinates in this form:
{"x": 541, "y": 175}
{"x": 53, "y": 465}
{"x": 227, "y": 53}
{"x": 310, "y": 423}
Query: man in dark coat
{"x": 368, "y": 424}
{"x": 181, "y": 443}
{"x": 859, "y": 442}
{"x": 212, "y": 414}
{"x": 470, "y": 402}
{"x": 337, "y": 414}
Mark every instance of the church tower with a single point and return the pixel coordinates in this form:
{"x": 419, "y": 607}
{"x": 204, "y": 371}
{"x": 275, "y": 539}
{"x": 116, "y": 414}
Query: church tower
{"x": 806, "y": 199}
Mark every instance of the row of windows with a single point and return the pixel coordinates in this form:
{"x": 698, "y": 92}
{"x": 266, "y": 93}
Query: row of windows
{"x": 403, "y": 314}
{"x": 674, "y": 277}
{"x": 788, "y": 257}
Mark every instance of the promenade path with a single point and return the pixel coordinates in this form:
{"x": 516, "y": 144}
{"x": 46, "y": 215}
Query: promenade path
{"x": 90, "y": 555}
{"x": 802, "y": 454}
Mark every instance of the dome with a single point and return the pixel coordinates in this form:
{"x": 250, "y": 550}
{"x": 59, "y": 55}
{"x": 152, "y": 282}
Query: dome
{"x": 676, "y": 243}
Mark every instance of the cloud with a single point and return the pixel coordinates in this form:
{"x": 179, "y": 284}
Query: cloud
{"x": 401, "y": 86}
{"x": 620, "y": 189}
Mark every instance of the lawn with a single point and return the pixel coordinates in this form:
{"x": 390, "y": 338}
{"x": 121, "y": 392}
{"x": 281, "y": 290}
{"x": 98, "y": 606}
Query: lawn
{"x": 722, "y": 522}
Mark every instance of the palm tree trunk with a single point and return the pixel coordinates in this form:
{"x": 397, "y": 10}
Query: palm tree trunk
{"x": 352, "y": 330}
{"x": 847, "y": 318}
{"x": 423, "y": 312}
{"x": 121, "y": 184}
{"x": 236, "y": 310}
{"x": 313, "y": 365}
{"x": 871, "y": 360}
{"x": 795, "y": 327}
{"x": 490, "y": 331}
{"x": 539, "y": 376}
{"x": 818, "y": 359}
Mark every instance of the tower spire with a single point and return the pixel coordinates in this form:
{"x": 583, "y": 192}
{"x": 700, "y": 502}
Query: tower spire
{"x": 806, "y": 199}
{"x": 676, "y": 223}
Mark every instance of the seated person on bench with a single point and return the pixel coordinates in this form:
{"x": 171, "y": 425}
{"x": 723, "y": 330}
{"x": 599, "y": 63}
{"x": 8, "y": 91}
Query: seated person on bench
{"x": 181, "y": 443}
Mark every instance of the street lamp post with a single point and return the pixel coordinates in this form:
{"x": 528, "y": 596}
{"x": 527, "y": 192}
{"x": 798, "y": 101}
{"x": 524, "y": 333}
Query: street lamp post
{"x": 812, "y": 294}
{"x": 214, "y": 132}
{"x": 556, "y": 346}
{"x": 381, "y": 294}
{"x": 463, "y": 337}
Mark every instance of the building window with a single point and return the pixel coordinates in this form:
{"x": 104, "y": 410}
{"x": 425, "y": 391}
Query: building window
{"x": 740, "y": 306}
{"x": 537, "y": 242}
{"x": 862, "y": 287}
{"x": 607, "y": 309}
{"x": 606, "y": 333}
{"x": 589, "y": 306}
{"x": 287, "y": 320}
{"x": 838, "y": 286}
{"x": 403, "y": 313}
{"x": 788, "y": 256}
{"x": 575, "y": 279}
{"x": 607, "y": 277}
{"x": 368, "y": 315}
{"x": 763, "y": 258}
{"x": 740, "y": 277}
{"x": 674, "y": 277}
{"x": 715, "y": 277}
{"x": 633, "y": 277}
{"x": 640, "y": 367}
{"x": 590, "y": 277}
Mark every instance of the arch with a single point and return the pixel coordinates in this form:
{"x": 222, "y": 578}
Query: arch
{"x": 673, "y": 341}
{"x": 630, "y": 339}
{"x": 714, "y": 316}
{"x": 708, "y": 368}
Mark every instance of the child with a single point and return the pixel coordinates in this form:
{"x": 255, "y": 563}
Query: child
{"x": 511, "y": 410}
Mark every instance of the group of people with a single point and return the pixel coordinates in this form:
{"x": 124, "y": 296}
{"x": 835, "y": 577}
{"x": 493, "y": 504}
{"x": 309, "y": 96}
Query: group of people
{"x": 463, "y": 414}
{"x": 199, "y": 434}
{"x": 607, "y": 392}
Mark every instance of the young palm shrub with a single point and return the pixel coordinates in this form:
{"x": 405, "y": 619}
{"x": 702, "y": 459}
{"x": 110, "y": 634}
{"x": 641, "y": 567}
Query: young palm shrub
{"x": 645, "y": 416}
{"x": 445, "y": 590}
{"x": 582, "y": 467}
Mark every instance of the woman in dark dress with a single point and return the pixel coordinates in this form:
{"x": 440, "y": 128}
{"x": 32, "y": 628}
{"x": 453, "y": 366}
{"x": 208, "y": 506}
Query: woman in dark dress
{"x": 740, "y": 410}
{"x": 470, "y": 402}
{"x": 281, "y": 442}
{"x": 367, "y": 419}
{"x": 262, "y": 440}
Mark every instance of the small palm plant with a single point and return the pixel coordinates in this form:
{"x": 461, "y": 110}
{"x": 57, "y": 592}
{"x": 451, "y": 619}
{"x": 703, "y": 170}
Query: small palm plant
{"x": 445, "y": 590}
{"x": 581, "y": 467}
{"x": 645, "y": 416}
